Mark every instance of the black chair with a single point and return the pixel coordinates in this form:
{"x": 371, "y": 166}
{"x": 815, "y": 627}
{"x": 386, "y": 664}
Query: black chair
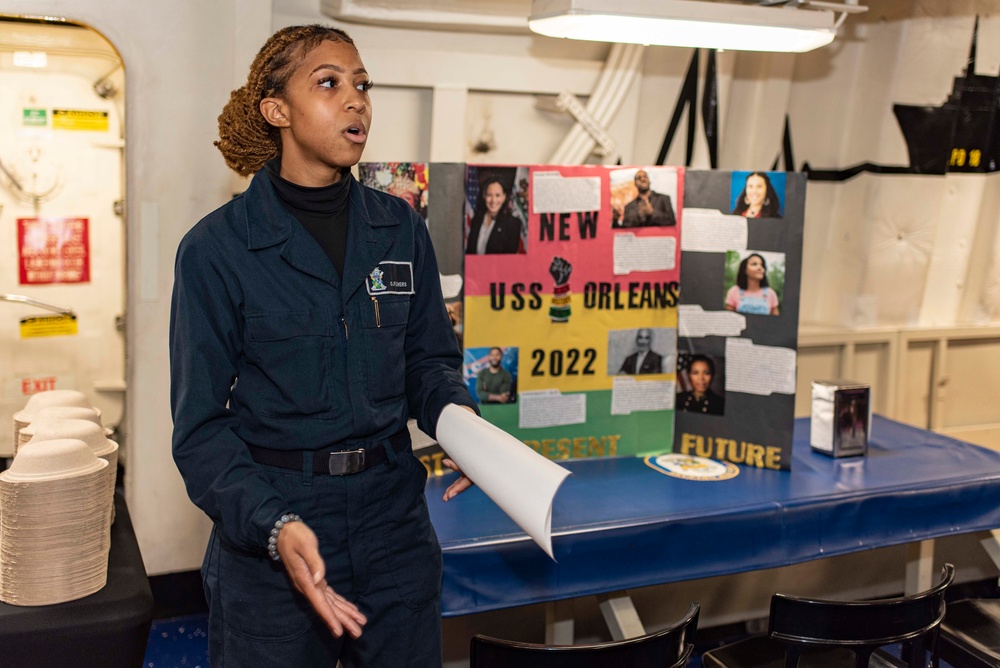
{"x": 842, "y": 633}
{"x": 669, "y": 648}
{"x": 970, "y": 633}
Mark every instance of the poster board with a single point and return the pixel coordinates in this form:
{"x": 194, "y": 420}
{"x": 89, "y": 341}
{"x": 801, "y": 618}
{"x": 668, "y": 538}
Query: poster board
{"x": 559, "y": 298}
{"x": 565, "y": 339}
{"x": 751, "y": 351}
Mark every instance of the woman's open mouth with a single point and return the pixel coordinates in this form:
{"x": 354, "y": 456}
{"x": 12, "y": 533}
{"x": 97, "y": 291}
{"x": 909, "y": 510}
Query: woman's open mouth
{"x": 356, "y": 134}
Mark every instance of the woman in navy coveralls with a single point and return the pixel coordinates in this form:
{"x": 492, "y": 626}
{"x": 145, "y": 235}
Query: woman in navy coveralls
{"x": 307, "y": 319}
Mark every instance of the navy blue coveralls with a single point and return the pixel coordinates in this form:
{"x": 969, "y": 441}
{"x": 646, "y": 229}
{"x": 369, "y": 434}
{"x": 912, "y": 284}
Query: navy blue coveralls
{"x": 270, "y": 348}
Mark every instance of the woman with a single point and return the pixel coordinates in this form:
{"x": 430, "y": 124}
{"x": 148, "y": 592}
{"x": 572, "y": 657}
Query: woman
{"x": 493, "y": 229}
{"x": 701, "y": 398}
{"x": 752, "y": 294}
{"x": 307, "y": 322}
{"x": 759, "y": 199}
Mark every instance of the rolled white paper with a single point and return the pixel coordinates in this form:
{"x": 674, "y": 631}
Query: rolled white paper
{"x": 515, "y": 477}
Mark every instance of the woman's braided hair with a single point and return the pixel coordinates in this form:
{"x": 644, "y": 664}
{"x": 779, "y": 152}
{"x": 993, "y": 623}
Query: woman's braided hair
{"x": 246, "y": 140}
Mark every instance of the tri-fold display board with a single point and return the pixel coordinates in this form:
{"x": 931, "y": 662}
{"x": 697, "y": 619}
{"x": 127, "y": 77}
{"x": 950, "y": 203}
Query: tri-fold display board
{"x": 622, "y": 311}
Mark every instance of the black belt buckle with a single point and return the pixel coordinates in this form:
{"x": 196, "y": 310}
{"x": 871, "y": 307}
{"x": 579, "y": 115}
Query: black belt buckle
{"x": 347, "y": 462}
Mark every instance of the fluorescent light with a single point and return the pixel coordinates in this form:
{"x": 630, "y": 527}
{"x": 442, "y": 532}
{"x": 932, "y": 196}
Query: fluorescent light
{"x": 688, "y": 23}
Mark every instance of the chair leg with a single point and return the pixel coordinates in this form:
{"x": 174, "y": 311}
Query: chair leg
{"x": 862, "y": 657}
{"x": 915, "y": 653}
{"x": 934, "y": 647}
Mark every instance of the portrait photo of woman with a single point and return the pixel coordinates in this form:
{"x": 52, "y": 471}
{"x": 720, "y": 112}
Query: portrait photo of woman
{"x": 756, "y": 194}
{"x": 494, "y": 228}
{"x": 699, "y": 372}
{"x": 752, "y": 292}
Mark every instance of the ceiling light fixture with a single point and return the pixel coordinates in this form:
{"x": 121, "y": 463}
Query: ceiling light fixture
{"x": 690, "y": 23}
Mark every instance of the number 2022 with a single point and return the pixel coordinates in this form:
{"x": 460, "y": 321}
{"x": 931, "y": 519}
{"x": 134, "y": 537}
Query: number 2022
{"x": 561, "y": 363}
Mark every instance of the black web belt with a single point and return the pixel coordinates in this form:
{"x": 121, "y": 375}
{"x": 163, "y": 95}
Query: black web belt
{"x": 333, "y": 462}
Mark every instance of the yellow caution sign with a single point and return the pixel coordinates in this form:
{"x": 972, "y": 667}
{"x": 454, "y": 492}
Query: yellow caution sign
{"x": 48, "y": 325}
{"x": 79, "y": 119}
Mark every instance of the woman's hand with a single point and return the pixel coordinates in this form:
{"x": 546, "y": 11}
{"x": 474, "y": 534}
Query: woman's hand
{"x": 299, "y": 550}
{"x": 463, "y": 483}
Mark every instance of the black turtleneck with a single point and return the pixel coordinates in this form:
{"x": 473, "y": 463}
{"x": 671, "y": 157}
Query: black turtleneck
{"x": 322, "y": 211}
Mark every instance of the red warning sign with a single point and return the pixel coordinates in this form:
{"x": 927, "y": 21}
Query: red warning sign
{"x": 53, "y": 250}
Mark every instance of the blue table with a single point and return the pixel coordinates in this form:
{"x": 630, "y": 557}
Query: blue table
{"x": 619, "y": 524}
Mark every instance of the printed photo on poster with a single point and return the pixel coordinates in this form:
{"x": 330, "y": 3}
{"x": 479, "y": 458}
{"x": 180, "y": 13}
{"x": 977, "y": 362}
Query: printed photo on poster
{"x": 643, "y": 197}
{"x": 754, "y": 282}
{"x": 491, "y": 374}
{"x": 739, "y": 309}
{"x": 496, "y": 210}
{"x": 636, "y": 352}
{"x": 701, "y": 383}
{"x": 406, "y": 180}
{"x": 758, "y": 194}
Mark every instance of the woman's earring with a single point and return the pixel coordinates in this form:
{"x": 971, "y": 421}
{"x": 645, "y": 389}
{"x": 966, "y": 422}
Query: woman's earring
{"x": 767, "y": 200}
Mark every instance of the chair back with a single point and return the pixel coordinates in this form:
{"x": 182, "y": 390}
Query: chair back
{"x": 669, "y": 648}
{"x": 862, "y": 626}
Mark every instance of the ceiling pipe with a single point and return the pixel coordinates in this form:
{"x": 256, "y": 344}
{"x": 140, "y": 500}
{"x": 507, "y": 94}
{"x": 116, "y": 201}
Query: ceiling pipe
{"x": 616, "y": 79}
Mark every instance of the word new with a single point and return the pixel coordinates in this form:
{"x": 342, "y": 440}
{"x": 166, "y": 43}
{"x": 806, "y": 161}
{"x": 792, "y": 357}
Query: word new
{"x": 549, "y": 227}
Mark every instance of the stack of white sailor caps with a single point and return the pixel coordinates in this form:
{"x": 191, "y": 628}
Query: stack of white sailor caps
{"x": 49, "y": 429}
{"x": 50, "y": 413}
{"x": 37, "y": 402}
{"x": 55, "y": 523}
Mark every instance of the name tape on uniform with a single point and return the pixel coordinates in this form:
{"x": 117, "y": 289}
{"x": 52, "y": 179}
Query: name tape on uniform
{"x": 391, "y": 278}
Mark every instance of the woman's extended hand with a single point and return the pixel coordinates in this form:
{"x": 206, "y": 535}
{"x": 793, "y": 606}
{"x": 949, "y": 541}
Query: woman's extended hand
{"x": 463, "y": 483}
{"x": 299, "y": 550}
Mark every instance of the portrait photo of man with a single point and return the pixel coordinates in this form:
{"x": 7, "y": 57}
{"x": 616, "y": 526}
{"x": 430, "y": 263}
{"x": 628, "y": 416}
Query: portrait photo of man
{"x": 493, "y": 382}
{"x": 644, "y": 359}
{"x": 649, "y": 208}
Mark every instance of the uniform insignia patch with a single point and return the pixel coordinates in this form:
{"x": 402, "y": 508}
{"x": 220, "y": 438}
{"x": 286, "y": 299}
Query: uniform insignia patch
{"x": 376, "y": 284}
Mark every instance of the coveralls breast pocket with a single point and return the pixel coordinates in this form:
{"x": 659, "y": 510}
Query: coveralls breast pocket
{"x": 292, "y": 353}
{"x": 385, "y": 342}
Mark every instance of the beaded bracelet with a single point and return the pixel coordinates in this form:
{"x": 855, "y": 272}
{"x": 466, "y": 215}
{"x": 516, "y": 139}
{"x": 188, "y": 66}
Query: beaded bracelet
{"x": 272, "y": 541}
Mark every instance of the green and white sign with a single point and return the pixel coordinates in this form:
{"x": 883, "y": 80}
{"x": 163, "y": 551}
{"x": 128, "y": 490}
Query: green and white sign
{"x": 35, "y": 117}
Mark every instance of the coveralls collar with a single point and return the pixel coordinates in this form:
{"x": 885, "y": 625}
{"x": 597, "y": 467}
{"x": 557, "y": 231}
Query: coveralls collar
{"x": 369, "y": 237}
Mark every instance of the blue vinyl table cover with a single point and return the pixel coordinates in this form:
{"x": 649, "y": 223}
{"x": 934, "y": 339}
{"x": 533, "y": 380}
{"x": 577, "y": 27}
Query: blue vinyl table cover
{"x": 618, "y": 523}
